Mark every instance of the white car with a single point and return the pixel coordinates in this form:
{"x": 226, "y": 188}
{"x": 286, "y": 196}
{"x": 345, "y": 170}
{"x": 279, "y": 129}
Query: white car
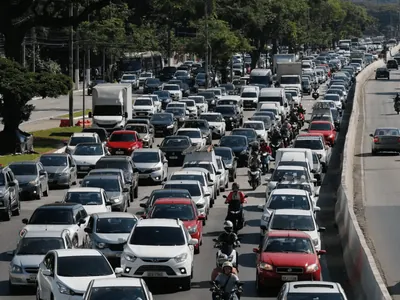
{"x": 94, "y": 200}
{"x": 336, "y": 99}
{"x": 143, "y": 77}
{"x": 132, "y": 79}
{"x": 316, "y": 144}
{"x": 79, "y": 138}
{"x": 86, "y": 156}
{"x": 195, "y": 136}
{"x": 156, "y": 101}
{"x": 296, "y": 96}
{"x": 224, "y": 178}
{"x": 212, "y": 186}
{"x": 216, "y": 122}
{"x": 286, "y": 199}
{"x": 217, "y": 92}
{"x": 174, "y": 90}
{"x": 208, "y": 166}
{"x": 301, "y": 185}
{"x": 201, "y": 103}
{"x": 249, "y": 97}
{"x": 298, "y": 220}
{"x": 65, "y": 274}
{"x": 178, "y": 104}
{"x": 135, "y": 288}
{"x": 161, "y": 249}
{"x": 151, "y": 164}
{"x": 313, "y": 289}
{"x": 191, "y": 107}
{"x": 340, "y": 87}
{"x": 259, "y": 127}
{"x": 143, "y": 107}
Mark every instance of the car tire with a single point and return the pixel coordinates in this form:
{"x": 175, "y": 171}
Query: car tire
{"x": 187, "y": 283}
{"x": 46, "y": 192}
{"x": 7, "y": 214}
{"x": 17, "y": 210}
{"x": 136, "y": 192}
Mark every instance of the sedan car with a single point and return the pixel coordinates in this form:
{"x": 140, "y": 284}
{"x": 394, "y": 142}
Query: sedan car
{"x": 195, "y": 135}
{"x": 239, "y": 145}
{"x": 385, "y": 139}
{"x": 229, "y": 160}
{"x": 175, "y": 148}
{"x": 10, "y": 204}
{"x": 326, "y": 128}
{"x": 231, "y": 114}
{"x": 151, "y": 164}
{"x": 382, "y": 73}
{"x": 204, "y": 127}
{"x": 164, "y": 124}
{"x": 216, "y": 123}
{"x": 165, "y": 98}
{"x": 224, "y": 177}
{"x": 94, "y": 200}
{"x": 151, "y": 85}
{"x": 124, "y": 142}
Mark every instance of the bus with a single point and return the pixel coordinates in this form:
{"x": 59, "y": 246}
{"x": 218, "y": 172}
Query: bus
{"x": 138, "y": 62}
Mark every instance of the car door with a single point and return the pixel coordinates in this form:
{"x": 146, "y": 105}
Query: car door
{"x": 43, "y": 177}
{"x": 72, "y": 169}
{"x": 11, "y": 189}
{"x": 188, "y": 238}
{"x": 16, "y": 183}
{"x": 46, "y": 282}
{"x": 106, "y": 202}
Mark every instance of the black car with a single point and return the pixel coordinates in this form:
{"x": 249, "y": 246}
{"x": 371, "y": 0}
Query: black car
{"x": 229, "y": 159}
{"x": 392, "y": 64}
{"x": 167, "y": 73}
{"x": 382, "y": 73}
{"x": 180, "y": 114}
{"x": 164, "y": 124}
{"x": 93, "y": 84}
{"x": 151, "y": 85}
{"x": 250, "y": 133}
{"x": 239, "y": 145}
{"x": 165, "y": 98}
{"x": 232, "y": 116}
{"x": 336, "y": 115}
{"x": 100, "y": 131}
{"x": 306, "y": 87}
{"x": 175, "y": 148}
{"x": 203, "y": 126}
{"x": 211, "y": 99}
{"x": 229, "y": 87}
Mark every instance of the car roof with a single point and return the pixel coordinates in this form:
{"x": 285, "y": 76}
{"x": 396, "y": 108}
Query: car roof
{"x": 77, "y": 252}
{"x": 84, "y": 189}
{"x": 288, "y": 233}
{"x": 296, "y": 168}
{"x": 117, "y": 282}
{"x": 159, "y": 222}
{"x": 99, "y": 176}
{"x": 188, "y": 129}
{"x": 156, "y": 150}
{"x": 314, "y": 286}
{"x": 114, "y": 157}
{"x": 84, "y": 134}
{"x": 58, "y": 205}
{"x": 187, "y": 172}
{"x": 173, "y": 201}
{"x": 25, "y": 162}
{"x": 115, "y": 214}
{"x": 123, "y": 132}
{"x": 292, "y": 212}
{"x": 181, "y": 182}
{"x": 321, "y": 122}
{"x": 43, "y": 233}
{"x": 252, "y": 121}
{"x": 169, "y": 190}
{"x": 54, "y": 154}
{"x": 110, "y": 170}
{"x": 289, "y": 192}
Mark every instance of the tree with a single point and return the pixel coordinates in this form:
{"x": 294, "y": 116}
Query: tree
{"x": 17, "y": 87}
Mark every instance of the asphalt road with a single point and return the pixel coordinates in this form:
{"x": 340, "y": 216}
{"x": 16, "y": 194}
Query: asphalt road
{"x": 205, "y": 261}
{"x": 380, "y": 180}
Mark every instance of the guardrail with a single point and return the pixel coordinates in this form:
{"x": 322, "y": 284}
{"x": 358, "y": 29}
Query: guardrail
{"x": 364, "y": 276}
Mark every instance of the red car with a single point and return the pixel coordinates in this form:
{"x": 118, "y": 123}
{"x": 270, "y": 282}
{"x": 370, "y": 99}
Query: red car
{"x": 183, "y": 209}
{"x": 124, "y": 142}
{"x": 286, "y": 256}
{"x": 326, "y": 128}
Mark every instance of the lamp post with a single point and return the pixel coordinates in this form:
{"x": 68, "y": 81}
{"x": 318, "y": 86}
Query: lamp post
{"x": 84, "y": 87}
{"x": 207, "y": 47}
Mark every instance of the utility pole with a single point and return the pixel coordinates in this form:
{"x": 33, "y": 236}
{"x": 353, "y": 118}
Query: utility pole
{"x": 169, "y": 46}
{"x": 24, "y": 53}
{"x": 84, "y": 86}
{"x": 33, "y": 37}
{"x": 71, "y": 67}
{"x": 87, "y": 69}
{"x": 206, "y": 44}
{"x": 77, "y": 73}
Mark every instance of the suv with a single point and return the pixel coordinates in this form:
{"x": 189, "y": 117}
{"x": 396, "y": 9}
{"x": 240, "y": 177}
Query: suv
{"x": 160, "y": 249}
{"x": 382, "y": 73}
{"x": 9, "y": 196}
{"x": 392, "y": 64}
{"x": 81, "y": 137}
{"x": 124, "y": 163}
{"x": 312, "y": 290}
{"x": 317, "y": 145}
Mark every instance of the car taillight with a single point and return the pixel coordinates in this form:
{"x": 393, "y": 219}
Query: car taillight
{"x": 376, "y": 139}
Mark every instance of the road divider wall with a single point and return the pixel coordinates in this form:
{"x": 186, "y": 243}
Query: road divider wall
{"x": 363, "y": 274}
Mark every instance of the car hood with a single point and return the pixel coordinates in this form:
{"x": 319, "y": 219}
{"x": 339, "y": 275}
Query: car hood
{"x": 260, "y": 132}
{"x": 128, "y": 81}
{"x": 215, "y": 124}
{"x": 28, "y": 260}
{"x": 161, "y": 123}
{"x": 198, "y": 199}
{"x": 122, "y": 144}
{"x": 249, "y": 99}
{"x": 86, "y": 159}
{"x": 146, "y": 166}
{"x": 156, "y": 252}
{"x": 80, "y": 284}
{"x": 174, "y": 149}
{"x": 23, "y": 179}
{"x": 56, "y": 169}
{"x": 94, "y": 209}
{"x": 288, "y": 259}
{"x": 196, "y": 141}
{"x": 112, "y": 238}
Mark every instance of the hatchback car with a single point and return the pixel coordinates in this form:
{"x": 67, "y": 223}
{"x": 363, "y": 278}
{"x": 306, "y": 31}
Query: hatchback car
{"x": 151, "y": 164}
{"x": 385, "y": 140}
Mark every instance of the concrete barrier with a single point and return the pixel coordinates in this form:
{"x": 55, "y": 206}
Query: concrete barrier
{"x": 361, "y": 268}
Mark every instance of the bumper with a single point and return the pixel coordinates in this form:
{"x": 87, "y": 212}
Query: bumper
{"x": 84, "y": 169}
{"x": 23, "y": 279}
{"x": 249, "y": 104}
{"x": 59, "y": 180}
{"x": 155, "y": 176}
{"x": 29, "y": 191}
{"x": 142, "y": 114}
{"x": 162, "y": 130}
{"x": 175, "y": 157}
{"x": 272, "y": 279}
{"x": 380, "y": 147}
{"x": 120, "y": 151}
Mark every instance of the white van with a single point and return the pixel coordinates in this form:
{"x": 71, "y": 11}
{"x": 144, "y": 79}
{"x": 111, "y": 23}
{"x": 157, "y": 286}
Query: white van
{"x": 249, "y": 96}
{"x": 307, "y": 153}
{"x": 268, "y": 95}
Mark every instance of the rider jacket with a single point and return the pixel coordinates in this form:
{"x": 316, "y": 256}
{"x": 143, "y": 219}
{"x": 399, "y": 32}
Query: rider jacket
{"x": 397, "y": 99}
{"x": 276, "y": 137}
{"x": 294, "y": 118}
{"x": 266, "y": 149}
{"x": 254, "y": 161}
{"x": 229, "y": 238}
{"x": 301, "y": 110}
{"x": 235, "y": 200}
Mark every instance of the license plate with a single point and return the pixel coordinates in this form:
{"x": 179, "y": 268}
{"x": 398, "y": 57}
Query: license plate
{"x": 289, "y": 278}
{"x": 119, "y": 152}
{"x": 32, "y": 277}
{"x": 141, "y": 114}
{"x": 160, "y": 131}
{"x": 173, "y": 157}
{"x": 155, "y": 274}
{"x": 85, "y": 168}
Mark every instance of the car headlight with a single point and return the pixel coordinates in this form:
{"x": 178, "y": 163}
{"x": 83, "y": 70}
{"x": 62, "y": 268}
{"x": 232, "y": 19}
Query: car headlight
{"x": 212, "y": 101}
{"x": 101, "y": 245}
{"x": 315, "y": 242}
{"x": 33, "y": 182}
{"x": 170, "y": 126}
{"x": 129, "y": 257}
{"x": 181, "y": 257}
{"x": 312, "y": 268}
{"x": 156, "y": 169}
{"x": 63, "y": 289}
{"x": 116, "y": 199}
{"x": 231, "y": 118}
{"x": 228, "y": 166}
{"x": 16, "y": 269}
{"x": 200, "y": 205}
{"x": 192, "y": 229}
{"x": 266, "y": 267}
{"x": 265, "y": 218}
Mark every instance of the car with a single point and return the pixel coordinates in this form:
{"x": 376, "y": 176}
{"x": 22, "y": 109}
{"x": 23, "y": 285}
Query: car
{"x": 231, "y": 100}
{"x": 117, "y": 289}
{"x": 259, "y": 127}
{"x": 224, "y": 177}
{"x": 209, "y": 169}
{"x": 117, "y": 193}
{"x": 250, "y": 133}
{"x": 195, "y": 135}
{"x": 326, "y": 128}
{"x": 29, "y": 253}
{"x": 229, "y": 160}
{"x": 32, "y": 178}
{"x": 170, "y": 242}
{"x": 124, "y": 163}
{"x": 156, "y": 101}
{"x": 164, "y": 96}
{"x": 81, "y": 137}
{"x": 300, "y": 185}
{"x": 382, "y": 72}
{"x": 124, "y": 142}
{"x": 296, "y": 220}
{"x": 174, "y": 90}
{"x": 66, "y": 272}
{"x": 191, "y": 107}
{"x": 201, "y": 103}
{"x": 151, "y": 85}
{"x": 340, "y": 87}
{"x": 175, "y": 148}
{"x": 57, "y": 217}
{"x": 230, "y": 113}
{"x": 317, "y": 145}
{"x": 180, "y": 114}
{"x": 229, "y": 87}
{"x": 392, "y": 64}
{"x": 93, "y": 200}
{"x": 86, "y": 155}
{"x": 143, "y": 107}
{"x": 183, "y": 209}
{"x": 162, "y": 193}
{"x": 143, "y": 77}
{"x": 266, "y": 117}
{"x": 132, "y": 79}
{"x": 138, "y": 120}
{"x": 61, "y": 169}
{"x": 249, "y": 97}
{"x": 151, "y": 164}
{"x": 201, "y": 80}
{"x": 385, "y": 139}
{"x": 240, "y": 147}
{"x": 118, "y": 172}
{"x": 312, "y": 290}
{"x": 286, "y": 256}
{"x": 204, "y": 127}
{"x": 216, "y": 123}
{"x": 145, "y": 132}
{"x": 306, "y": 86}
{"x": 10, "y": 204}
{"x": 217, "y": 92}
{"x": 200, "y": 196}
{"x": 210, "y": 98}
{"x": 108, "y": 232}
{"x": 341, "y": 95}
{"x": 336, "y": 98}
{"x": 102, "y": 133}
{"x": 93, "y": 84}
{"x": 164, "y": 124}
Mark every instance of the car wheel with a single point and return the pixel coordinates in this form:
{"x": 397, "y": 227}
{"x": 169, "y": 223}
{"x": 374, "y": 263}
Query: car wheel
{"x": 46, "y": 192}
{"x": 186, "y": 283}
{"x": 17, "y": 210}
{"x": 8, "y": 213}
{"x": 136, "y": 192}
{"x": 39, "y": 194}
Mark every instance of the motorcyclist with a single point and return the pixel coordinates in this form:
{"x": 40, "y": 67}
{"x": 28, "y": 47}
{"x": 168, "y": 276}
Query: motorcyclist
{"x": 276, "y": 136}
{"x": 300, "y": 109}
{"x": 228, "y": 240}
{"x": 221, "y": 259}
{"x": 294, "y": 119}
{"x": 397, "y": 98}
{"x": 235, "y": 201}
{"x": 254, "y": 159}
{"x": 267, "y": 154}
{"x": 227, "y": 281}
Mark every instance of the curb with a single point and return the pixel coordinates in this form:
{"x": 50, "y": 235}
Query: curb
{"x": 40, "y": 98}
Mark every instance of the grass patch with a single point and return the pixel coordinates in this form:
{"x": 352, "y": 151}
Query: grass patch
{"x": 44, "y": 141}
{"x": 75, "y": 114}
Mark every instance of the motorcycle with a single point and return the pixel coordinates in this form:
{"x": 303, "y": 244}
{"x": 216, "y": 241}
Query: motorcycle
{"x": 219, "y": 293}
{"x": 397, "y": 106}
{"x": 234, "y": 216}
{"x": 275, "y": 147}
{"x": 295, "y": 129}
{"x": 315, "y": 94}
{"x": 301, "y": 119}
{"x": 254, "y": 177}
{"x": 226, "y": 252}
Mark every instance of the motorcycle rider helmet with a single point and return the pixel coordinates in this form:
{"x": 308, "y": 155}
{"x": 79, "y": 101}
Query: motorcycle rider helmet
{"x": 262, "y": 141}
{"x": 255, "y": 147}
{"x": 226, "y": 265}
{"x": 221, "y": 259}
{"x": 228, "y": 226}
{"x": 235, "y": 187}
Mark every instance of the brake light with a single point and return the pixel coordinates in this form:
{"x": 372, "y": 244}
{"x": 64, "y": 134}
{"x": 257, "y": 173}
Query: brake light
{"x": 376, "y": 139}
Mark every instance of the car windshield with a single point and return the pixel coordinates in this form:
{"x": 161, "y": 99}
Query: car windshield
{"x": 225, "y": 110}
{"x": 250, "y": 134}
{"x": 157, "y": 236}
{"x": 152, "y": 80}
{"x": 314, "y": 296}
{"x": 212, "y": 117}
{"x": 109, "y": 184}
{"x": 175, "y": 142}
{"x": 228, "y": 87}
{"x": 176, "y": 111}
{"x": 193, "y": 189}
{"x": 226, "y": 154}
{"x": 52, "y": 217}
{"x": 198, "y": 178}
{"x": 201, "y": 76}
{"x": 83, "y": 266}
{"x": 88, "y": 150}
{"x": 207, "y": 95}
{"x": 279, "y": 175}
{"x": 289, "y": 202}
{"x": 159, "y": 194}
{"x": 75, "y": 140}
{"x": 199, "y": 100}
{"x": 233, "y": 141}
{"x": 288, "y": 244}
{"x": 145, "y": 75}
{"x": 227, "y": 102}
{"x": 117, "y": 293}
{"x": 145, "y": 157}
{"x": 201, "y": 124}
{"x": 123, "y": 137}
{"x": 387, "y": 131}
{"x": 112, "y": 164}
{"x": 332, "y": 97}
{"x": 313, "y": 144}
{"x": 143, "y": 102}
{"x": 182, "y": 212}
{"x": 115, "y": 225}
{"x": 176, "y": 104}
{"x": 190, "y": 133}
{"x": 381, "y": 70}
{"x": 296, "y": 186}
{"x": 38, "y": 245}
{"x": 53, "y": 161}
{"x": 190, "y": 103}
{"x": 320, "y": 126}
{"x": 24, "y": 169}
{"x": 255, "y": 125}
{"x": 137, "y": 127}
{"x": 84, "y": 198}
{"x": 292, "y": 222}
{"x": 162, "y": 117}
{"x": 171, "y": 88}
{"x": 249, "y": 95}
{"x": 161, "y": 94}
{"x": 291, "y": 92}
{"x": 128, "y": 77}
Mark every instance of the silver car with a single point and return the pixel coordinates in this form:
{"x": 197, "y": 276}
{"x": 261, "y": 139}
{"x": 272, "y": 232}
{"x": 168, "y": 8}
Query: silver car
{"x": 151, "y": 164}
{"x": 61, "y": 169}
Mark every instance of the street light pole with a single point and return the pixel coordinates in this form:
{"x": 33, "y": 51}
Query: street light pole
{"x": 207, "y": 47}
{"x": 84, "y": 87}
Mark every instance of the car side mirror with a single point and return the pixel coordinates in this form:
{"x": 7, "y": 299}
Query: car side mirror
{"x": 118, "y": 271}
{"x": 256, "y": 250}
{"x": 65, "y": 143}
{"x": 88, "y": 230}
{"x": 263, "y": 227}
{"x": 371, "y": 135}
{"x": 25, "y": 221}
{"x": 47, "y": 272}
{"x": 81, "y": 221}
{"x": 193, "y": 242}
{"x": 321, "y": 252}
{"x": 321, "y": 229}
{"x": 143, "y": 205}
{"x": 125, "y": 190}
{"x": 207, "y": 194}
{"x": 218, "y": 173}
{"x": 317, "y": 208}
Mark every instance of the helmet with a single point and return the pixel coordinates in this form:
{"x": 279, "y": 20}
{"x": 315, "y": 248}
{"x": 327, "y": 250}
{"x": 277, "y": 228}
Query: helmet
{"x": 227, "y": 264}
{"x": 228, "y": 226}
{"x": 235, "y": 186}
{"x": 221, "y": 259}
{"x": 255, "y": 147}
{"x": 262, "y": 141}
